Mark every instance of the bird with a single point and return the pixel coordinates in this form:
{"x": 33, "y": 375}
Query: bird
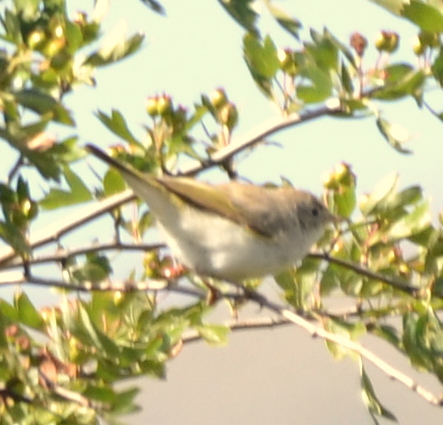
{"x": 230, "y": 231}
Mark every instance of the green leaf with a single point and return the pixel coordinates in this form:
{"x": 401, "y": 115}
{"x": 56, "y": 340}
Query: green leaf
{"x": 346, "y": 80}
{"x": 428, "y": 18}
{"x": 385, "y": 197}
{"x": 12, "y": 27}
{"x": 42, "y": 103}
{"x": 77, "y": 194}
{"x": 243, "y": 13}
{"x": 124, "y": 402}
{"x": 429, "y": 238}
{"x": 74, "y": 36}
{"x": 423, "y": 339}
{"x": 113, "y": 182}
{"x": 343, "y": 48}
{"x": 115, "y": 51}
{"x": 4, "y": 322}
{"x": 298, "y": 283}
{"x": 393, "y": 6}
{"x": 391, "y": 133}
{"x": 351, "y": 283}
{"x": 354, "y": 107}
{"x": 47, "y": 162}
{"x": 27, "y": 8}
{"x": 389, "y": 334}
{"x": 373, "y": 404}
{"x": 398, "y": 71}
{"x": 95, "y": 336}
{"x": 99, "y": 393}
{"x": 437, "y": 71}
{"x": 286, "y": 281}
{"x": 117, "y": 124}
{"x": 343, "y": 329}
{"x": 67, "y": 150}
{"x": 22, "y": 190}
{"x": 13, "y": 236}
{"x": 8, "y": 312}
{"x": 96, "y": 269}
{"x": 318, "y": 86}
{"x": 411, "y": 224}
{"x": 411, "y": 342}
{"x": 199, "y": 113}
{"x": 18, "y": 135}
{"x": 261, "y": 57}
{"x": 27, "y": 313}
{"x": 382, "y": 195}
{"x": 345, "y": 201}
{"x": 214, "y": 334}
{"x": 310, "y": 94}
{"x": 262, "y": 62}
{"x": 264, "y": 84}
{"x": 430, "y": 335}
{"x": 401, "y": 81}
{"x": 320, "y": 89}
{"x": 408, "y": 196}
{"x": 324, "y": 50}
{"x": 181, "y": 144}
{"x": 290, "y": 24}
{"x": 330, "y": 280}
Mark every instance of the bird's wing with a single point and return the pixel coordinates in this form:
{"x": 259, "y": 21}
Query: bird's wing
{"x": 248, "y": 205}
{"x": 242, "y": 203}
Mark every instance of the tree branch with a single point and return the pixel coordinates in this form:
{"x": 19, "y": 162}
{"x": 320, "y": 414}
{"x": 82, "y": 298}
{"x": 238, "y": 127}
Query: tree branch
{"x": 285, "y": 316}
{"x": 358, "y": 268}
{"x": 66, "y": 394}
{"x": 240, "y": 325}
{"x": 6, "y": 393}
{"x": 64, "y": 254}
{"x": 154, "y": 285}
{"x": 68, "y": 224}
{"x": 260, "y": 134}
{"x": 18, "y": 278}
{"x": 317, "y": 331}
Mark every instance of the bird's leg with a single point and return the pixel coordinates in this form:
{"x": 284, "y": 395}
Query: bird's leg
{"x": 213, "y": 293}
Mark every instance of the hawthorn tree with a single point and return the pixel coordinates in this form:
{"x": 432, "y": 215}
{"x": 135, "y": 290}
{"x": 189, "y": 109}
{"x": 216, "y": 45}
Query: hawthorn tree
{"x": 61, "y": 363}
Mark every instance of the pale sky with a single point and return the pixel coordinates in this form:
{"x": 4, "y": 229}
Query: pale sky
{"x": 197, "y": 47}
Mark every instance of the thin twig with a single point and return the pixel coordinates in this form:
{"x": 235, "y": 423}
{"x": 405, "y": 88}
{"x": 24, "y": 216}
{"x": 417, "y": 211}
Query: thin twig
{"x": 260, "y": 134}
{"x": 66, "y": 394}
{"x": 154, "y": 285}
{"x": 18, "y": 278}
{"x": 15, "y": 169}
{"x": 6, "y": 393}
{"x": 240, "y": 325}
{"x": 68, "y": 224}
{"x": 285, "y": 316}
{"x": 432, "y": 110}
{"x": 64, "y": 254}
{"x": 317, "y": 331}
{"x": 358, "y": 268}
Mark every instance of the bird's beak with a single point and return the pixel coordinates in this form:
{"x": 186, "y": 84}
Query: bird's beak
{"x": 336, "y": 219}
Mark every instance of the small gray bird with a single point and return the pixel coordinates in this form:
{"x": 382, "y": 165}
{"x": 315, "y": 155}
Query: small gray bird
{"x": 231, "y": 231}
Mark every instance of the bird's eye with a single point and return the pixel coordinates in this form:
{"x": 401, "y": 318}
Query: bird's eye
{"x": 315, "y": 212}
